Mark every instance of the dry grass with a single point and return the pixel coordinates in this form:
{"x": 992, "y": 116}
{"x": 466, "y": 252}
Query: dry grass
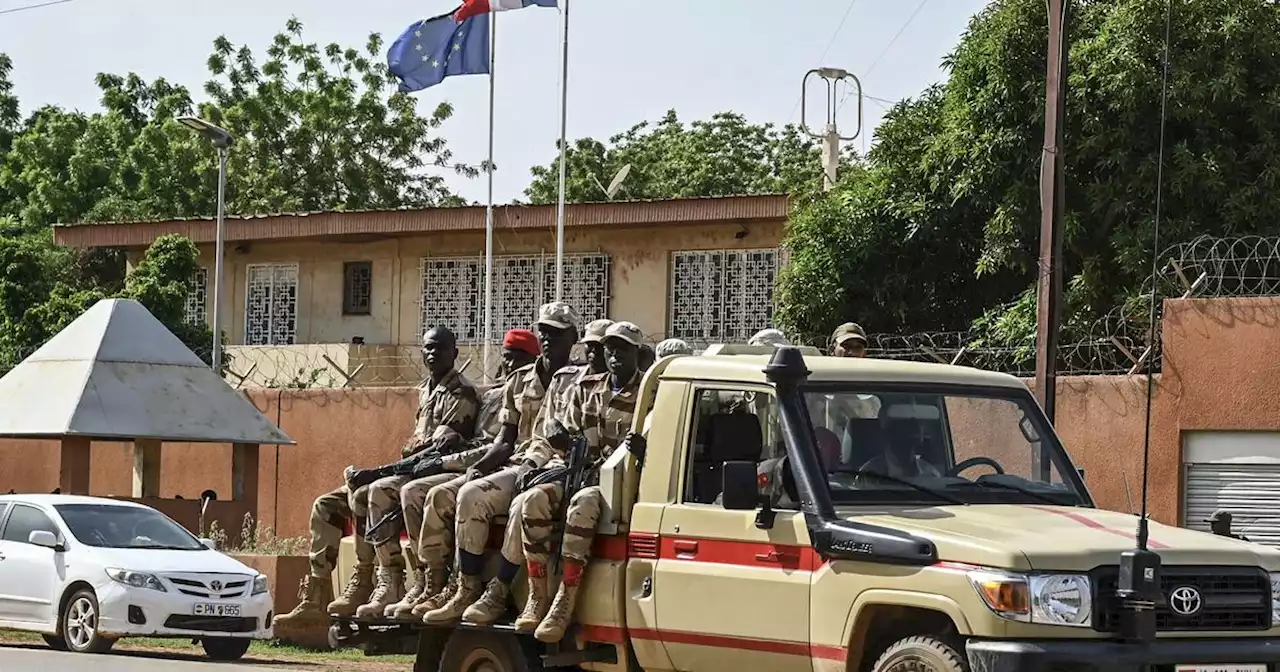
{"x": 257, "y": 539}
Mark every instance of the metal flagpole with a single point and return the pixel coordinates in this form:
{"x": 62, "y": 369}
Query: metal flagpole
{"x": 488, "y": 211}
{"x": 564, "y": 115}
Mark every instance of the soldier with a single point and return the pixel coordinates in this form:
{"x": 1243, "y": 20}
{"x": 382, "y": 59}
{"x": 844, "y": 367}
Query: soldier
{"x": 673, "y": 346}
{"x": 593, "y": 341}
{"x": 519, "y": 349}
{"x": 1220, "y": 524}
{"x": 772, "y": 337}
{"x": 849, "y": 340}
{"x": 447, "y": 411}
{"x": 310, "y": 619}
{"x": 601, "y": 406}
{"x": 488, "y": 487}
{"x": 646, "y": 359}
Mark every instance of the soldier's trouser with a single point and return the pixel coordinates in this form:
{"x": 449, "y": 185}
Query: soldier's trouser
{"x": 329, "y": 514}
{"x": 479, "y": 502}
{"x": 538, "y": 518}
{"x": 413, "y": 498}
{"x": 384, "y": 496}
{"x": 513, "y": 544}
{"x": 579, "y": 527}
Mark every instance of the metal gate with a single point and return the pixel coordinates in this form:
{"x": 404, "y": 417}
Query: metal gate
{"x": 1251, "y": 492}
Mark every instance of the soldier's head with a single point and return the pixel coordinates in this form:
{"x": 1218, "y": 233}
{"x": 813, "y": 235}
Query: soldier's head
{"x": 593, "y": 341}
{"x": 622, "y": 350}
{"x": 849, "y": 340}
{"x": 647, "y": 357}
{"x": 439, "y": 350}
{"x": 770, "y": 336}
{"x": 557, "y": 329}
{"x": 519, "y": 347}
{"x": 1220, "y": 522}
{"x": 673, "y": 346}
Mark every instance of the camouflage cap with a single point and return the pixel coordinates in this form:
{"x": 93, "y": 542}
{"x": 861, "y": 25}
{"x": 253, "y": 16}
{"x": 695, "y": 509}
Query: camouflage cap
{"x": 595, "y": 330}
{"x": 625, "y": 331}
{"x": 558, "y": 314}
{"x": 673, "y": 346}
{"x": 1219, "y": 516}
{"x": 849, "y": 331}
{"x": 772, "y": 337}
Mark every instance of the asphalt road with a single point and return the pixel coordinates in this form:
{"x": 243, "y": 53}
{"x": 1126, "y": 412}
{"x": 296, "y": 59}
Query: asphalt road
{"x": 38, "y": 659}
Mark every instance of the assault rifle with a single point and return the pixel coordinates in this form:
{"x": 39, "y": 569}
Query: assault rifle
{"x": 575, "y": 476}
{"x": 426, "y": 462}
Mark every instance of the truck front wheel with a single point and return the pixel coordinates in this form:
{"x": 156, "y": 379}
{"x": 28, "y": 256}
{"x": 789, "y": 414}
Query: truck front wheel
{"x": 920, "y": 654}
{"x": 485, "y": 651}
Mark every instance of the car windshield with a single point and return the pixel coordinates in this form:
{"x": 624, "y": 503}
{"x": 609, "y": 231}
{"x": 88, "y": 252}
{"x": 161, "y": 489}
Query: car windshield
{"x": 113, "y": 526}
{"x": 966, "y": 447}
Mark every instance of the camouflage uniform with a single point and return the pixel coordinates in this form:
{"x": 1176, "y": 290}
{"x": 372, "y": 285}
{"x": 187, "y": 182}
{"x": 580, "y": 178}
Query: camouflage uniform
{"x": 446, "y": 411}
{"x": 604, "y": 418}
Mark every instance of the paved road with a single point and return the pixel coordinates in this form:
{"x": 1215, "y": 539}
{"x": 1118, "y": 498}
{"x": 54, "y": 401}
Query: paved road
{"x": 37, "y": 659}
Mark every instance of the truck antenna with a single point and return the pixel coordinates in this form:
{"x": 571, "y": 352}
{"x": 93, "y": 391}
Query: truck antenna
{"x": 1139, "y": 580}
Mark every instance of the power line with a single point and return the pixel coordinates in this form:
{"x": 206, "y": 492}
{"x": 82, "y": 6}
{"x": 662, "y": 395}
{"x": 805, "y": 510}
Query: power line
{"x": 35, "y": 6}
{"x": 831, "y": 42}
{"x": 887, "y": 47}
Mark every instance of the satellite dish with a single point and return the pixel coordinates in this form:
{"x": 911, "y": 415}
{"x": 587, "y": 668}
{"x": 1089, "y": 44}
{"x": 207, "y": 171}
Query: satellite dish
{"x": 616, "y": 184}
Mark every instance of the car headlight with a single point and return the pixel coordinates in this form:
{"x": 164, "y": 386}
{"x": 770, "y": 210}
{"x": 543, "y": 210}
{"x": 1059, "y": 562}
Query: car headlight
{"x": 1051, "y": 599}
{"x": 1275, "y": 599}
{"x": 259, "y": 585}
{"x": 136, "y": 579}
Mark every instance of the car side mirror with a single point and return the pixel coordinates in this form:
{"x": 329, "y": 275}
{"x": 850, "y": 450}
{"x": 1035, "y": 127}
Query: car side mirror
{"x": 209, "y": 543}
{"x": 738, "y": 490}
{"x": 44, "y": 538}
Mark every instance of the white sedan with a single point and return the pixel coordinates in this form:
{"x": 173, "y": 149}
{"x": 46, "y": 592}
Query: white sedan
{"x": 86, "y": 571}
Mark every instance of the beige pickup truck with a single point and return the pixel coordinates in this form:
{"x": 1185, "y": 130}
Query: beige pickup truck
{"x": 797, "y": 513}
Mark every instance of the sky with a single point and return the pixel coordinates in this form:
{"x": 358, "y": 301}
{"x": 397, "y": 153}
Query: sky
{"x": 629, "y": 60}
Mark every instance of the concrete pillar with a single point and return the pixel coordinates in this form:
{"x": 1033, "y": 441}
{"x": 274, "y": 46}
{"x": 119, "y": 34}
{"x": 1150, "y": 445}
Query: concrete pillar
{"x": 244, "y": 475}
{"x": 146, "y": 468}
{"x": 73, "y": 473}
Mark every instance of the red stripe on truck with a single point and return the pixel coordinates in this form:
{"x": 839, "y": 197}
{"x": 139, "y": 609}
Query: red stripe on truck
{"x": 616, "y": 635}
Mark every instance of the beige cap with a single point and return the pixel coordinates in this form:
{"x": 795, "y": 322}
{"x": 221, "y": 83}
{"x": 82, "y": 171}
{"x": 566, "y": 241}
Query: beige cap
{"x": 558, "y": 314}
{"x": 625, "y": 331}
{"x": 594, "y": 333}
{"x": 849, "y": 331}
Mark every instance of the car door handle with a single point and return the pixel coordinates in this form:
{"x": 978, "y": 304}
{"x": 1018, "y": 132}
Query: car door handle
{"x": 686, "y": 548}
{"x": 778, "y": 557}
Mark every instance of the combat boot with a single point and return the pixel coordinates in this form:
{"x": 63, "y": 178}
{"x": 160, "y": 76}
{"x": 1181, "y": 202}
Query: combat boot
{"x": 359, "y": 588}
{"x": 390, "y": 589}
{"x": 557, "y": 621}
{"x": 491, "y": 606}
{"x": 438, "y": 598}
{"x": 308, "y": 623}
{"x": 535, "y": 608}
{"x": 469, "y": 589}
{"x": 423, "y": 586}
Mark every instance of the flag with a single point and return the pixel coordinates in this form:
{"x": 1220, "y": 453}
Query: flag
{"x": 472, "y": 8}
{"x": 433, "y": 49}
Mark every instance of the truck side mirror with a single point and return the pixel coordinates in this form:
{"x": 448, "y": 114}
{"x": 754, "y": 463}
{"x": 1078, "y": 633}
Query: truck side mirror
{"x": 738, "y": 490}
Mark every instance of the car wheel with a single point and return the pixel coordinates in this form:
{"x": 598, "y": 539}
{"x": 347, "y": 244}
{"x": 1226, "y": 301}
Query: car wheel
{"x": 225, "y": 648}
{"x": 79, "y": 625}
{"x": 920, "y": 654}
{"x": 482, "y": 651}
{"x": 55, "y": 642}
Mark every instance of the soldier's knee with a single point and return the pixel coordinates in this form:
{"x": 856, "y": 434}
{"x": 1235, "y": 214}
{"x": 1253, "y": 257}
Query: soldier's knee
{"x": 470, "y": 495}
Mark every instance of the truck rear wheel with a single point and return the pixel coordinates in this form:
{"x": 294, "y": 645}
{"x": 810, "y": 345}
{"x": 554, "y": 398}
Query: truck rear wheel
{"x": 481, "y": 651}
{"x": 920, "y": 654}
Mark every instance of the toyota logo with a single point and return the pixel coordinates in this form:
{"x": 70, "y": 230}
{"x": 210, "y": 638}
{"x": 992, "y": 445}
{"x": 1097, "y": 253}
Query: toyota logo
{"x": 217, "y": 586}
{"x": 1185, "y": 601}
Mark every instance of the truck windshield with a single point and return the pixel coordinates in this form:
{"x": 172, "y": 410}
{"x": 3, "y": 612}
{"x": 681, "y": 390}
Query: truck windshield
{"x": 889, "y": 446}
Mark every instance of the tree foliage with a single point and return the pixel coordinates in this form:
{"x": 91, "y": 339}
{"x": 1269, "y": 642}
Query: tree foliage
{"x": 722, "y": 156}
{"x": 951, "y": 189}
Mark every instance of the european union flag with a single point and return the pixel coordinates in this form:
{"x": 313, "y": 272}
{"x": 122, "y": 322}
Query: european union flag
{"x": 433, "y": 49}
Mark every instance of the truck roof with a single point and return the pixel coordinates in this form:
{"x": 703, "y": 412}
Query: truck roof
{"x": 746, "y": 364}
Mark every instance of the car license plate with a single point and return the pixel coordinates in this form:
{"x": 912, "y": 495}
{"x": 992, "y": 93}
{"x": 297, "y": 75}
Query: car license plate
{"x": 218, "y": 610}
{"x": 1220, "y": 668}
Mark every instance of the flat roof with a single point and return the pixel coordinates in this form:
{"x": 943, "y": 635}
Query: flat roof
{"x": 824, "y": 369}
{"x": 403, "y": 222}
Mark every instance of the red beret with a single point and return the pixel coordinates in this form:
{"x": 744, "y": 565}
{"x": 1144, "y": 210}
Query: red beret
{"x": 523, "y": 340}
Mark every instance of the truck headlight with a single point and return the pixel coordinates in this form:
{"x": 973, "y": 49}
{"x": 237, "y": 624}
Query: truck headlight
{"x": 136, "y": 579}
{"x": 259, "y": 585}
{"x": 1275, "y": 599}
{"x": 1051, "y": 599}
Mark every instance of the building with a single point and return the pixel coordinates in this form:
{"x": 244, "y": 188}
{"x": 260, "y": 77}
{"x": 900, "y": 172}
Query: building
{"x": 338, "y": 298}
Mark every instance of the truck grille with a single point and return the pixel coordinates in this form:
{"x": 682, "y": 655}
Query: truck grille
{"x": 1232, "y": 598}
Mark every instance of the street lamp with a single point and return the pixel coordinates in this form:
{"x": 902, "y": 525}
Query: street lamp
{"x": 222, "y": 141}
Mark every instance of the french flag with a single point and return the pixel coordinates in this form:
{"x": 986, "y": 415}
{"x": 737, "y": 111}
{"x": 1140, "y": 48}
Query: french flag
{"x": 472, "y": 8}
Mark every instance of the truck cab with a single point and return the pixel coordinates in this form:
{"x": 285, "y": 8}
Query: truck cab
{"x": 801, "y": 512}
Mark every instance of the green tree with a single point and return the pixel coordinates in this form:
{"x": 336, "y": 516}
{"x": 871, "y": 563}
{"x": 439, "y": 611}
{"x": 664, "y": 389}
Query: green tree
{"x": 162, "y": 281}
{"x": 722, "y": 156}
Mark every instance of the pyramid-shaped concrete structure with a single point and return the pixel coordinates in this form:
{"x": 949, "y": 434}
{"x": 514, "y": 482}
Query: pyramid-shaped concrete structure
{"x": 117, "y": 373}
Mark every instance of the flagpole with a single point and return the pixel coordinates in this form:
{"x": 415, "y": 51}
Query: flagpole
{"x": 564, "y": 115}
{"x": 488, "y": 211}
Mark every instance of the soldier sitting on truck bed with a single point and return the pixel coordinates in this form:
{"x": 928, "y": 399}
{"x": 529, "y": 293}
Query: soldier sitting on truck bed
{"x": 446, "y": 406}
{"x": 601, "y": 407}
{"x": 474, "y": 499}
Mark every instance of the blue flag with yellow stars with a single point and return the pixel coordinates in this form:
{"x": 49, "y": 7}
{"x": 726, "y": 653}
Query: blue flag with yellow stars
{"x": 433, "y": 49}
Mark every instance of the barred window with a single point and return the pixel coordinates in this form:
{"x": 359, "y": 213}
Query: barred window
{"x": 357, "y": 287}
{"x": 722, "y": 296}
{"x": 271, "y": 305}
{"x": 197, "y": 298}
{"x": 453, "y": 291}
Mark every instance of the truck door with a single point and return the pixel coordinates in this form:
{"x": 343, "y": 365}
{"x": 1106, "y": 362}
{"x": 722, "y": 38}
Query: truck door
{"x": 728, "y": 594}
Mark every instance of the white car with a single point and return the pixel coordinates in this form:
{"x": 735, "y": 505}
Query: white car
{"x": 86, "y": 571}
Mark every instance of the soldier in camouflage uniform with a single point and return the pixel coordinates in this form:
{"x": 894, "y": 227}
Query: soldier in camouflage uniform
{"x": 446, "y": 412}
{"x": 519, "y": 349}
{"x": 464, "y": 507}
{"x": 601, "y": 406}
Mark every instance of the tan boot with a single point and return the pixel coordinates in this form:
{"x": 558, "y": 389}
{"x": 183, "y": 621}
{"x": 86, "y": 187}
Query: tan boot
{"x": 424, "y": 585}
{"x": 469, "y": 589}
{"x": 491, "y": 606}
{"x": 535, "y": 608}
{"x": 557, "y": 621}
{"x": 438, "y": 598}
{"x": 390, "y": 590}
{"x": 357, "y": 592}
{"x": 308, "y": 623}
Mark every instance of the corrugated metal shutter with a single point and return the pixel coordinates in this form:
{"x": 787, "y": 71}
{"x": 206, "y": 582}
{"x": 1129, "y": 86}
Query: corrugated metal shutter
{"x": 1251, "y": 492}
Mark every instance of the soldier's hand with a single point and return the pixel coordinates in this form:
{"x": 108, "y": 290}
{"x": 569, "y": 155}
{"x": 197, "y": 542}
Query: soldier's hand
{"x": 557, "y": 436}
{"x": 497, "y": 454}
{"x": 636, "y": 444}
{"x": 474, "y": 474}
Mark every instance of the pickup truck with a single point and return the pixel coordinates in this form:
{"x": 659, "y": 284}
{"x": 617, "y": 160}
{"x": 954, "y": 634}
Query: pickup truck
{"x": 797, "y": 512}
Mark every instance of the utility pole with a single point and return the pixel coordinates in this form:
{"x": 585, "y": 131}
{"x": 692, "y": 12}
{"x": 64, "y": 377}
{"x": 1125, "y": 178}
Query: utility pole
{"x": 830, "y": 137}
{"x": 1052, "y": 186}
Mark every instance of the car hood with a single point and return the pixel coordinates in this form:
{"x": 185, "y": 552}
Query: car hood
{"x": 1057, "y": 537}
{"x": 156, "y": 561}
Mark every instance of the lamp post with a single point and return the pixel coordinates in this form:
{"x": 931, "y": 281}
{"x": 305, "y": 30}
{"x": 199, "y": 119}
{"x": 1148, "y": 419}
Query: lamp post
{"x": 222, "y": 141}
